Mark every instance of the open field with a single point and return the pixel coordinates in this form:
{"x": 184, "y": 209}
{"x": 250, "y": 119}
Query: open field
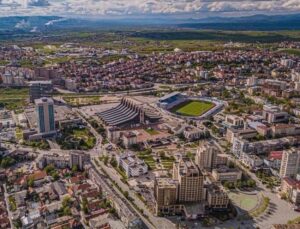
{"x": 193, "y": 108}
{"x": 243, "y": 201}
{"x": 82, "y": 101}
{"x": 13, "y": 99}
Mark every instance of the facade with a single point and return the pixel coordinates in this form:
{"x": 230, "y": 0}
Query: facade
{"x": 291, "y": 188}
{"x": 129, "y": 139}
{"x": 216, "y": 197}
{"x": 190, "y": 181}
{"x": 251, "y": 160}
{"x": 39, "y": 89}
{"x": 79, "y": 159}
{"x": 128, "y": 113}
{"x": 132, "y": 165}
{"x": 45, "y": 115}
{"x": 56, "y": 160}
{"x": 165, "y": 193}
{"x": 192, "y": 133}
{"x": 273, "y": 114}
{"x": 226, "y": 174}
{"x": 234, "y": 121}
{"x": 290, "y": 163}
{"x": 206, "y": 156}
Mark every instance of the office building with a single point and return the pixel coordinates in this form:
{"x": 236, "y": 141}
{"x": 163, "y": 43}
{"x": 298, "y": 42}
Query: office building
{"x": 290, "y": 163}
{"x": 39, "y": 89}
{"x": 190, "y": 181}
{"x": 45, "y": 115}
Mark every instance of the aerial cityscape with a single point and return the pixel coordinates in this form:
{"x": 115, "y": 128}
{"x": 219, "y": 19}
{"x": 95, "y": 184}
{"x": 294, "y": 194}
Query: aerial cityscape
{"x": 150, "y": 114}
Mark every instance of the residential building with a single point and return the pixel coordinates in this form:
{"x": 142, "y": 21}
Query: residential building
{"x": 216, "y": 197}
{"x": 251, "y": 160}
{"x": 290, "y": 163}
{"x": 79, "y": 159}
{"x": 291, "y": 188}
{"x": 165, "y": 193}
{"x": 208, "y": 156}
{"x": 274, "y": 160}
{"x": 190, "y": 181}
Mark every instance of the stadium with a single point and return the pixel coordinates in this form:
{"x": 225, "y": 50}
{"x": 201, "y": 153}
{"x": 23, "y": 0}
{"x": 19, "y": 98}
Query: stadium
{"x": 190, "y": 107}
{"x": 129, "y": 113}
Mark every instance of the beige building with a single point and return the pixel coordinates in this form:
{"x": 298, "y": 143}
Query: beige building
{"x": 208, "y": 156}
{"x": 190, "y": 181}
{"x": 290, "y": 163}
{"x": 165, "y": 193}
{"x": 226, "y": 174}
{"x": 216, "y": 197}
{"x": 129, "y": 139}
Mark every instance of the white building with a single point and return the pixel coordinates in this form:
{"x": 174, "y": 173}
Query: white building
{"x": 132, "y": 165}
{"x": 290, "y": 163}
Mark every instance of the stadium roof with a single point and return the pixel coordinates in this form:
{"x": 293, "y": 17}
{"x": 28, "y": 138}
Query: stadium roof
{"x": 169, "y": 95}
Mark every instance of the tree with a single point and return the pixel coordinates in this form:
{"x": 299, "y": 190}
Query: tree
{"x": 30, "y": 182}
{"x": 48, "y": 169}
{"x": 126, "y": 194}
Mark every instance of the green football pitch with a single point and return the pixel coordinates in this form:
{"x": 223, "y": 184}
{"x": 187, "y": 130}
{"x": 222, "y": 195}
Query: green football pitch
{"x": 192, "y": 108}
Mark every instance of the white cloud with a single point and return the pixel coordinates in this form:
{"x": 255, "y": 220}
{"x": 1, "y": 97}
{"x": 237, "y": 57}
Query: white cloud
{"x": 136, "y": 7}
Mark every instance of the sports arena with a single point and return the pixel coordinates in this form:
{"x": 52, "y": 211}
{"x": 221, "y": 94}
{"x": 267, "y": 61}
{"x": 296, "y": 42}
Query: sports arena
{"x": 190, "y": 107}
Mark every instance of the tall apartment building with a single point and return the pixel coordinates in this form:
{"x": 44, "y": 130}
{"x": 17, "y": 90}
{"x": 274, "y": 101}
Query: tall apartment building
{"x": 78, "y": 159}
{"x": 39, "y": 89}
{"x": 208, "y": 156}
{"x": 165, "y": 193}
{"x": 190, "y": 181}
{"x": 290, "y": 163}
{"x": 45, "y": 115}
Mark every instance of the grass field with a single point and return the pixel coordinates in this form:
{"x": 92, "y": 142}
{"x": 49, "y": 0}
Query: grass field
{"x": 193, "y": 108}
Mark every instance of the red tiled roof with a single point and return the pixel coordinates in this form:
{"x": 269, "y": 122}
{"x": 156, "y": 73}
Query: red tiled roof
{"x": 276, "y": 155}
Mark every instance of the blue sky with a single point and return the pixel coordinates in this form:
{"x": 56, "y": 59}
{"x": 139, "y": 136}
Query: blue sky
{"x": 111, "y": 8}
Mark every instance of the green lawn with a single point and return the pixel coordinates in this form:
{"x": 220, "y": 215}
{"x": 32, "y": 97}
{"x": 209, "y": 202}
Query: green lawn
{"x": 152, "y": 131}
{"x": 193, "y": 108}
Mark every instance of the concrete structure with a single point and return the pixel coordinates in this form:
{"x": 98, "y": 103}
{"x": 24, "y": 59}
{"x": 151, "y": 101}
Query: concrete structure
{"x": 129, "y": 112}
{"x": 290, "y": 163}
{"x": 216, "y": 197}
{"x": 79, "y": 159}
{"x": 291, "y": 188}
{"x": 190, "y": 181}
{"x": 132, "y": 165}
{"x": 272, "y": 114}
{"x": 226, "y": 174}
{"x": 234, "y": 121}
{"x": 39, "y": 89}
{"x": 45, "y": 115}
{"x": 251, "y": 160}
{"x": 207, "y": 156}
{"x": 129, "y": 139}
{"x": 166, "y": 193}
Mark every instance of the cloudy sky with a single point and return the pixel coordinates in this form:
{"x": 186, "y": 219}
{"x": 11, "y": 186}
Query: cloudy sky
{"x": 110, "y": 8}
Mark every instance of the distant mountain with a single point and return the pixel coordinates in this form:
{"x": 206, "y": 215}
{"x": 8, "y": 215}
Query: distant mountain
{"x": 34, "y": 24}
{"x": 255, "y": 22}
